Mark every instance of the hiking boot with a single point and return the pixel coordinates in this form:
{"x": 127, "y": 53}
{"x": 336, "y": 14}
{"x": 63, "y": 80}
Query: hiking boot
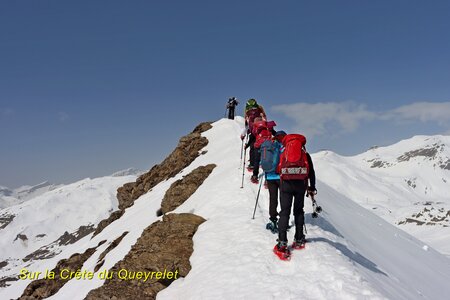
{"x": 282, "y": 251}
{"x": 254, "y": 179}
{"x": 299, "y": 243}
{"x": 272, "y": 225}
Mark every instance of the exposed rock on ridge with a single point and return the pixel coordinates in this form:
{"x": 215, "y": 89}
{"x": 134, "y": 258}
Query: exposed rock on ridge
{"x": 165, "y": 245}
{"x": 182, "y": 189}
{"x": 184, "y": 154}
{"x": 43, "y": 288}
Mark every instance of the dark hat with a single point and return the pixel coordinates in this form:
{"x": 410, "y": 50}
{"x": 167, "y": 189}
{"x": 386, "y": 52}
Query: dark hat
{"x": 281, "y": 132}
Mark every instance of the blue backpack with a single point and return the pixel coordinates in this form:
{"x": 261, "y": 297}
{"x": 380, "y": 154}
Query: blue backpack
{"x": 270, "y": 156}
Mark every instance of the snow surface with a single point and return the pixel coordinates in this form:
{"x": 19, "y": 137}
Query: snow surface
{"x": 352, "y": 253}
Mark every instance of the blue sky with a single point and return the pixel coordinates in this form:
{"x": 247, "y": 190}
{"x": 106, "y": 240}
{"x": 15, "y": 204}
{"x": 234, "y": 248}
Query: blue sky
{"x": 89, "y": 88}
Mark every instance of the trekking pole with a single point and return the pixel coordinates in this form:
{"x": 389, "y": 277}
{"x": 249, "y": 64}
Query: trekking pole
{"x": 257, "y": 197}
{"x": 242, "y": 148}
{"x": 243, "y": 169}
{"x": 316, "y": 208}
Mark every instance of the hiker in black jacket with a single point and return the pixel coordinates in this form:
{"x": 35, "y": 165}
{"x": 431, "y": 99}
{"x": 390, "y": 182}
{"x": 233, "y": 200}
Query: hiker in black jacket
{"x": 232, "y": 103}
{"x": 296, "y": 169}
{"x": 295, "y": 190}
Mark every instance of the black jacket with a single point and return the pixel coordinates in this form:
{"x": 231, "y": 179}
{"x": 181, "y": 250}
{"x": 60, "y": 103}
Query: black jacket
{"x": 232, "y": 103}
{"x": 312, "y": 173}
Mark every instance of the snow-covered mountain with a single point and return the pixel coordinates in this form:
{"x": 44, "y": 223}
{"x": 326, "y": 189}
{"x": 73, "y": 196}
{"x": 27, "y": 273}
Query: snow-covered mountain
{"x": 10, "y": 197}
{"x": 207, "y": 233}
{"x": 407, "y": 184}
{"x": 128, "y": 172}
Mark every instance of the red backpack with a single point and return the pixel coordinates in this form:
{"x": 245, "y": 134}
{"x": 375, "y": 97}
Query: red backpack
{"x": 263, "y": 135}
{"x": 258, "y": 126}
{"x": 251, "y": 114}
{"x": 293, "y": 161}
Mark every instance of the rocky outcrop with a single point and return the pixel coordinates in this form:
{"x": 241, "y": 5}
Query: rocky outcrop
{"x": 431, "y": 216}
{"x": 182, "y": 189}
{"x": 165, "y": 246}
{"x": 5, "y": 219}
{"x": 103, "y": 223}
{"x": 425, "y": 152}
{"x": 49, "y": 251}
{"x": 101, "y": 259}
{"x": 184, "y": 154}
{"x": 187, "y": 150}
{"x": 22, "y": 237}
{"x": 43, "y": 288}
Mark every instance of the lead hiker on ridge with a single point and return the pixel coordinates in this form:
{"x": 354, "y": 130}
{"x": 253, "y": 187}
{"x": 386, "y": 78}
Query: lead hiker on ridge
{"x": 232, "y": 103}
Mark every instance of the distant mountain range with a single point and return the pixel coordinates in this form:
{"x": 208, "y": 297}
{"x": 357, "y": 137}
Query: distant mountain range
{"x": 10, "y": 197}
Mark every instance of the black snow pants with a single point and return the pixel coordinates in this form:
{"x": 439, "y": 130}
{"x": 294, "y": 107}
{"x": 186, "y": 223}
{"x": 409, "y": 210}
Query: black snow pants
{"x": 256, "y": 159}
{"x": 291, "y": 190}
{"x": 273, "y": 186}
{"x": 231, "y": 112}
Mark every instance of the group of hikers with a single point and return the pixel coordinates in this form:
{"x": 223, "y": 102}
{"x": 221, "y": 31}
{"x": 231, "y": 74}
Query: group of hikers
{"x": 288, "y": 172}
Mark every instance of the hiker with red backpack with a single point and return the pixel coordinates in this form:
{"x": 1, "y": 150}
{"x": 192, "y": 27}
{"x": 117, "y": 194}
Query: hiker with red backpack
{"x": 270, "y": 156}
{"x": 252, "y": 111}
{"x": 295, "y": 169}
{"x": 261, "y": 132}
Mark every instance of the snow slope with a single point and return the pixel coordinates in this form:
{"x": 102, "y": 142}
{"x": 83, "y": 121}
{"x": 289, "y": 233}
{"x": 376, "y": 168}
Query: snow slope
{"x": 406, "y": 183}
{"x": 39, "y": 222}
{"x": 352, "y": 253}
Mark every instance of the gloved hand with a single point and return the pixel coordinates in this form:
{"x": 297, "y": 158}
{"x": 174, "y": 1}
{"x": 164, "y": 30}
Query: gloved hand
{"x": 246, "y": 146}
{"x": 242, "y": 136}
{"x": 312, "y": 190}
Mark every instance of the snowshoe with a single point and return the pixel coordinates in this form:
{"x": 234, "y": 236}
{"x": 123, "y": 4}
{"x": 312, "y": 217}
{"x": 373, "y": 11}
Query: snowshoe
{"x": 282, "y": 251}
{"x": 299, "y": 244}
{"x": 254, "y": 179}
{"x": 272, "y": 226}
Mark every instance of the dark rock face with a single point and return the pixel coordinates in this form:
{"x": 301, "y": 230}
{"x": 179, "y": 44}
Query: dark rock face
{"x": 426, "y": 152}
{"x": 4, "y": 281}
{"x": 182, "y": 189}
{"x": 67, "y": 238}
{"x": 22, "y": 237}
{"x": 430, "y": 216}
{"x": 113, "y": 245}
{"x": 379, "y": 163}
{"x": 3, "y": 264}
{"x": 445, "y": 165}
{"x": 43, "y": 288}
{"x": 164, "y": 246}
{"x": 103, "y": 223}
{"x": 184, "y": 154}
{"x": 5, "y": 219}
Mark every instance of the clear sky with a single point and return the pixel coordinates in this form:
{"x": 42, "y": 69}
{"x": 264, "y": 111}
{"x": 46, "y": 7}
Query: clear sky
{"x": 91, "y": 87}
